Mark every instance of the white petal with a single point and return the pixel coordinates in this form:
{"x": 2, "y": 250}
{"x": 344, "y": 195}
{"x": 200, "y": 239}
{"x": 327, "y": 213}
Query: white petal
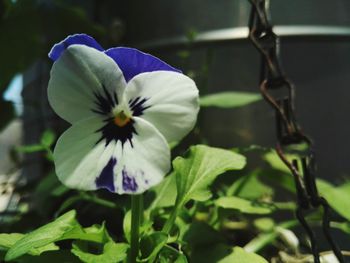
{"x": 130, "y": 168}
{"x": 144, "y": 163}
{"x": 172, "y": 99}
{"x": 78, "y": 159}
{"x": 80, "y": 72}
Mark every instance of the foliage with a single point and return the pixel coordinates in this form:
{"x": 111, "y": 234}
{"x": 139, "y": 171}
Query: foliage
{"x": 194, "y": 208}
{"x": 46, "y": 141}
{"x": 64, "y": 227}
{"x": 216, "y": 205}
{"x": 197, "y": 214}
{"x": 195, "y": 173}
{"x": 229, "y": 99}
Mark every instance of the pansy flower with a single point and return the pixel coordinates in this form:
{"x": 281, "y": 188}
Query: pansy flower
{"x": 125, "y": 107}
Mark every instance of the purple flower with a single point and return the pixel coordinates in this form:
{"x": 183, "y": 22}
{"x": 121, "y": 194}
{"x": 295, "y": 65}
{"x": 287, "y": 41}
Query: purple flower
{"x": 125, "y": 106}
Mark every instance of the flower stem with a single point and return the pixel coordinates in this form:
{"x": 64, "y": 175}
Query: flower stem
{"x": 136, "y": 216}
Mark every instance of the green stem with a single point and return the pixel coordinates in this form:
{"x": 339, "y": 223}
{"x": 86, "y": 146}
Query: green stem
{"x": 136, "y": 215}
{"x": 264, "y": 239}
{"x": 97, "y": 200}
{"x": 171, "y": 220}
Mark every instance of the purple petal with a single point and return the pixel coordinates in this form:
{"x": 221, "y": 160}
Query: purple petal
{"x": 106, "y": 178}
{"x": 77, "y": 39}
{"x": 133, "y": 62}
{"x": 129, "y": 182}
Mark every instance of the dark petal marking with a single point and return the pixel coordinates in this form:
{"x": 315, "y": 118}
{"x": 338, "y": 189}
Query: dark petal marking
{"x": 105, "y": 102}
{"x": 137, "y": 106}
{"x": 106, "y": 178}
{"x": 115, "y": 98}
{"x": 132, "y": 102}
{"x": 77, "y": 39}
{"x": 111, "y": 131}
{"x": 133, "y": 62}
{"x": 129, "y": 182}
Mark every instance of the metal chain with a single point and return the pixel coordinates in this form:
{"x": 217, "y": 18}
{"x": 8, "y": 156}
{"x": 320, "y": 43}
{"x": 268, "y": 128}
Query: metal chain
{"x": 289, "y": 132}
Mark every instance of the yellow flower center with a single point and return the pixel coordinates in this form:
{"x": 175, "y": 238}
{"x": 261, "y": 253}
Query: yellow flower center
{"x": 121, "y": 119}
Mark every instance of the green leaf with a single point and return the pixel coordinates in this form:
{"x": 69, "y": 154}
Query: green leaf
{"x": 344, "y": 226}
{"x": 127, "y": 225}
{"x": 222, "y": 253}
{"x": 8, "y": 240}
{"x": 48, "y": 138}
{"x": 94, "y": 233}
{"x": 273, "y": 159}
{"x": 60, "y": 190}
{"x": 165, "y": 193}
{"x": 64, "y": 227}
{"x": 195, "y": 173}
{"x": 59, "y": 256}
{"x": 112, "y": 253}
{"x": 337, "y": 198}
{"x": 281, "y": 174}
{"x": 68, "y": 202}
{"x": 181, "y": 259}
{"x": 229, "y": 99}
{"x": 242, "y": 205}
{"x": 151, "y": 245}
{"x": 198, "y": 170}
{"x": 240, "y": 255}
{"x": 286, "y": 181}
{"x": 264, "y": 224}
{"x": 171, "y": 255}
{"x": 44, "y": 235}
{"x": 202, "y": 234}
{"x": 250, "y": 187}
{"x": 345, "y": 187}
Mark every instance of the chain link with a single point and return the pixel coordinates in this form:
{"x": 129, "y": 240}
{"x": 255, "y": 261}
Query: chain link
{"x": 289, "y": 132}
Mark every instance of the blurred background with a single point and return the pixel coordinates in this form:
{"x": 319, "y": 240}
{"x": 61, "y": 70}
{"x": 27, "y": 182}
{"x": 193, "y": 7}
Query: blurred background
{"x": 206, "y": 39}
